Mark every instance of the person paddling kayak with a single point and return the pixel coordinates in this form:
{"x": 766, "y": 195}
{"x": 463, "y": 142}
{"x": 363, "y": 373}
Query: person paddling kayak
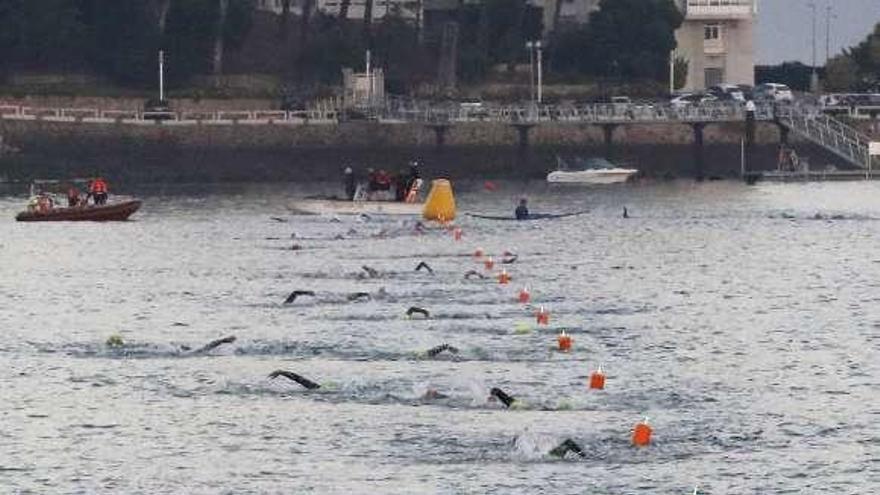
{"x": 522, "y": 211}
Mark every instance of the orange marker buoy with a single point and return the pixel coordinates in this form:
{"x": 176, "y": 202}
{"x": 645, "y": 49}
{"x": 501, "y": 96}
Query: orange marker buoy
{"x": 542, "y": 316}
{"x": 597, "y": 380}
{"x": 642, "y": 434}
{"x": 478, "y": 253}
{"x": 564, "y": 340}
{"x": 456, "y": 234}
{"x": 503, "y": 277}
{"x": 489, "y": 263}
{"x": 524, "y": 296}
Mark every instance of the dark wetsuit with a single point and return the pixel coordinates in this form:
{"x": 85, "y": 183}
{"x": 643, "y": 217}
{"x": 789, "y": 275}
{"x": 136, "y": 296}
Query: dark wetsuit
{"x": 522, "y": 212}
{"x": 350, "y": 186}
{"x": 400, "y": 187}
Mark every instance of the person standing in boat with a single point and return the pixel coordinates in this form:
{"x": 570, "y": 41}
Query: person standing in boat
{"x": 350, "y": 183}
{"x": 383, "y": 185}
{"x": 98, "y": 191}
{"x": 401, "y": 182}
{"x": 522, "y": 211}
{"x": 414, "y": 174}
{"x": 73, "y": 196}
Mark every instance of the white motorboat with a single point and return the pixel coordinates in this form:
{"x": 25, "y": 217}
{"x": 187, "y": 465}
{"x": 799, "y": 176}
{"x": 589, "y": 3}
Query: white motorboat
{"x": 591, "y": 171}
{"x": 343, "y": 207}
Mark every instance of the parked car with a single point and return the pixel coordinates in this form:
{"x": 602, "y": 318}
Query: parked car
{"x": 727, "y": 92}
{"x": 685, "y": 100}
{"x": 774, "y": 92}
{"x": 747, "y": 91}
{"x": 474, "y": 108}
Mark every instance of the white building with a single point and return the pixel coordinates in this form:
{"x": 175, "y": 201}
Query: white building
{"x": 717, "y": 40}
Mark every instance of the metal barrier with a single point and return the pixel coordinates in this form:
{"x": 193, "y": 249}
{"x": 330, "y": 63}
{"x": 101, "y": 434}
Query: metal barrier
{"x": 399, "y": 111}
{"x": 827, "y": 132}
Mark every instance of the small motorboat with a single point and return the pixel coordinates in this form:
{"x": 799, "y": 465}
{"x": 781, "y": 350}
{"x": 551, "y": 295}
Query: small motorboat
{"x": 116, "y": 211}
{"x": 344, "y": 207}
{"x": 43, "y": 205}
{"x": 590, "y": 171}
{"x": 362, "y": 204}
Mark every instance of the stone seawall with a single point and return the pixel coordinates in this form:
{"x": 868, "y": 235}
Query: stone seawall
{"x": 161, "y": 152}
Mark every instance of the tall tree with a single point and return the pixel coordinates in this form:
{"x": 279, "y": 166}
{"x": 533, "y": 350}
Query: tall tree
{"x": 284, "y": 20}
{"x": 625, "y": 38}
{"x": 164, "y": 8}
{"x": 368, "y": 23}
{"x": 192, "y": 35}
{"x": 841, "y": 74}
{"x": 219, "y": 28}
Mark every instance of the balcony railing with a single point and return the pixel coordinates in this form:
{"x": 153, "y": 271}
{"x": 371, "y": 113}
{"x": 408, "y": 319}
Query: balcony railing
{"x": 720, "y": 9}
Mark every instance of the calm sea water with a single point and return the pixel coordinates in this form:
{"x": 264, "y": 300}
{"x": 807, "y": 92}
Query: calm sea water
{"x": 743, "y": 321}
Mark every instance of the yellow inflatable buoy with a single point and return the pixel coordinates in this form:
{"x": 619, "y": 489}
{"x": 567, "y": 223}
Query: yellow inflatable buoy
{"x": 440, "y": 205}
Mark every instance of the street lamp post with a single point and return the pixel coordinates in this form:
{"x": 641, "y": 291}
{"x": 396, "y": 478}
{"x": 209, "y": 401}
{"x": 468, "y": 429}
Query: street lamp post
{"x": 814, "y": 76}
{"x": 540, "y": 73}
{"x": 532, "y": 47}
{"x": 161, "y": 76}
{"x": 829, "y": 14}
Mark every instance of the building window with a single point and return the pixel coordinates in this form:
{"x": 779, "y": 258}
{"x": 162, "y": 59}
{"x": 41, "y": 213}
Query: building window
{"x": 712, "y": 32}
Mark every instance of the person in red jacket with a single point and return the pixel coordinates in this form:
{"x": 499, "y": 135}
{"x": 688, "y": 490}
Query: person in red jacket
{"x": 98, "y": 191}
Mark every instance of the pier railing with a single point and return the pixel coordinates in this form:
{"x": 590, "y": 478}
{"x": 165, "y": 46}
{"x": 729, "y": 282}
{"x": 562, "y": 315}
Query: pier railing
{"x": 404, "y": 112}
{"x": 826, "y": 131}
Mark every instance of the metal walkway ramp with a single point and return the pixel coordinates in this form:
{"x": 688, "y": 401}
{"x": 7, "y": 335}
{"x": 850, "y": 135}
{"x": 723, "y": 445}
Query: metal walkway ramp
{"x": 827, "y": 132}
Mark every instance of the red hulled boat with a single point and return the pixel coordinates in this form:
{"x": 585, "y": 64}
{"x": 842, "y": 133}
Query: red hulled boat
{"x": 88, "y": 213}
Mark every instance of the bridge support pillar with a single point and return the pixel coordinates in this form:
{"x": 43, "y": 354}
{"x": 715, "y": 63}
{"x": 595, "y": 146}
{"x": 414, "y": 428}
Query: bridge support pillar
{"x": 523, "y": 150}
{"x": 439, "y": 133}
{"x": 699, "y": 165}
{"x": 749, "y": 146}
{"x": 523, "y": 132}
{"x": 783, "y": 134}
{"x": 608, "y": 133}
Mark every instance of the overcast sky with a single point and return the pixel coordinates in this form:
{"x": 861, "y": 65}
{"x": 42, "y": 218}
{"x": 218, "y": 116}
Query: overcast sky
{"x": 785, "y": 29}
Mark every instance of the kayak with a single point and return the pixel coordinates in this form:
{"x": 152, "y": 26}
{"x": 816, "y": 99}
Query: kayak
{"x": 90, "y": 213}
{"x": 532, "y": 216}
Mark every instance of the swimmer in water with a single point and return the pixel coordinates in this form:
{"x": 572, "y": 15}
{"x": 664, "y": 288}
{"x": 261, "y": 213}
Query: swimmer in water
{"x": 502, "y": 396}
{"x": 356, "y": 296}
{"x": 522, "y": 211}
{"x": 434, "y": 351}
{"x": 424, "y": 265}
{"x": 509, "y": 259}
{"x": 625, "y": 213}
{"x": 371, "y": 272}
{"x": 213, "y": 345}
{"x": 474, "y": 273}
{"x": 305, "y": 382}
{"x": 416, "y": 309}
{"x": 566, "y": 447}
{"x": 293, "y": 295}
{"x": 434, "y": 394}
